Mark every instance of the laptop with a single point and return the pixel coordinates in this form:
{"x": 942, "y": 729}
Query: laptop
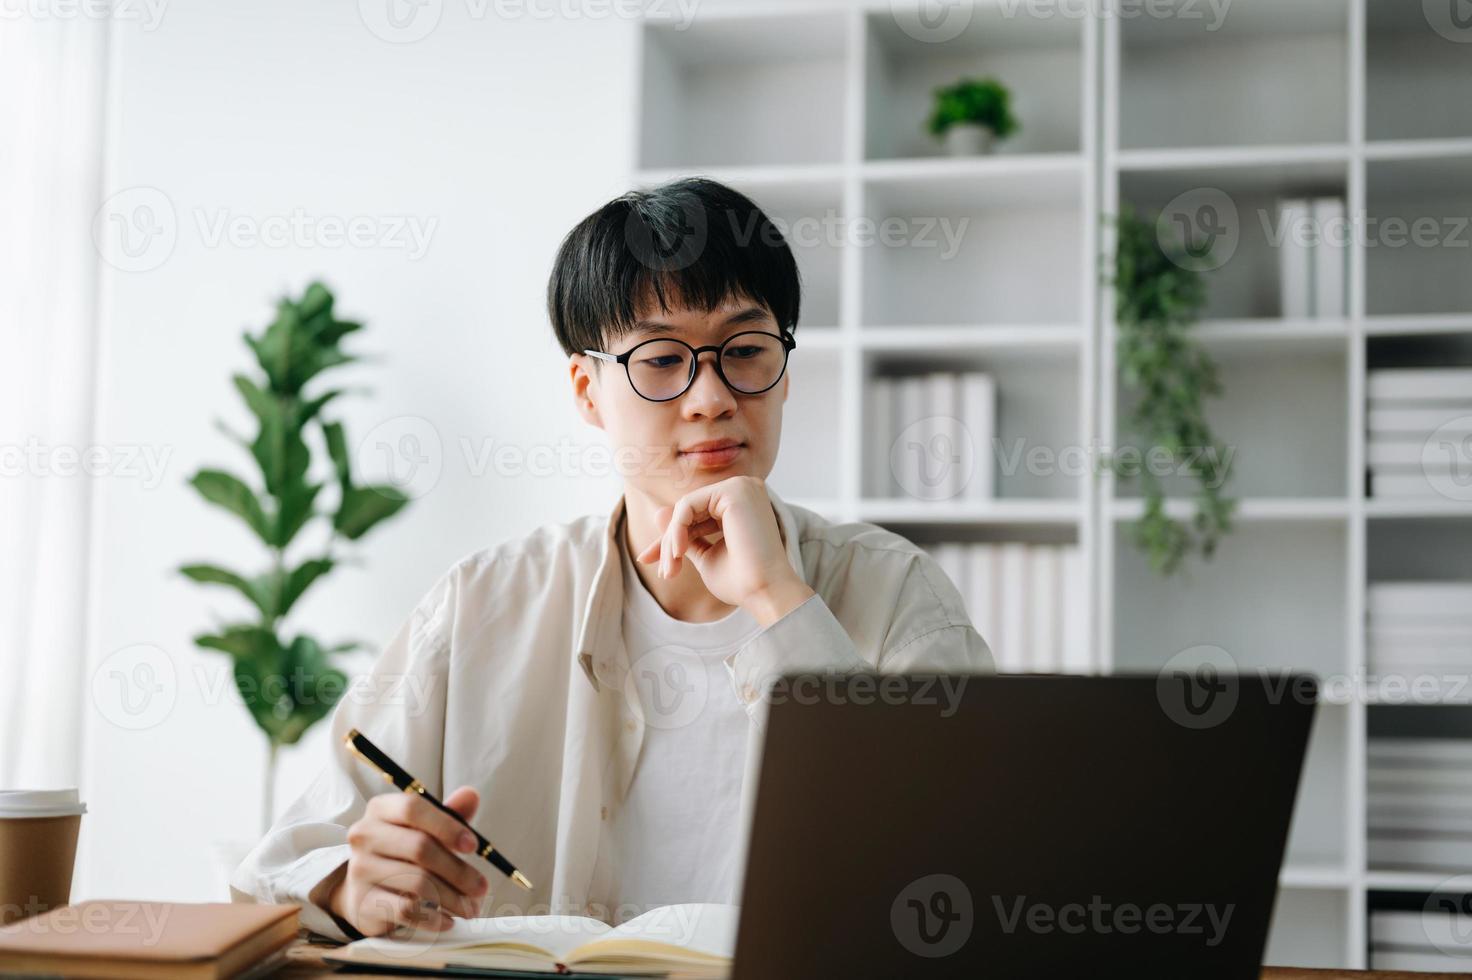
{"x": 1021, "y": 826}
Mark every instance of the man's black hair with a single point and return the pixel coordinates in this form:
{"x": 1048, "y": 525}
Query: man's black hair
{"x": 691, "y": 243}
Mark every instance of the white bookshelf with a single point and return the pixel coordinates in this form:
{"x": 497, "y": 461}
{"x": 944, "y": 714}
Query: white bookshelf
{"x": 815, "y": 108}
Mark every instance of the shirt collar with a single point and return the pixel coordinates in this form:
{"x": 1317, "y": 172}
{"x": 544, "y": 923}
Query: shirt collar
{"x": 599, "y": 649}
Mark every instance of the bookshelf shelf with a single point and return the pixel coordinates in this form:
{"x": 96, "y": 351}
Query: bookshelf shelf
{"x": 1356, "y": 99}
{"x": 1255, "y": 509}
{"x": 1043, "y": 338}
{"x": 993, "y": 512}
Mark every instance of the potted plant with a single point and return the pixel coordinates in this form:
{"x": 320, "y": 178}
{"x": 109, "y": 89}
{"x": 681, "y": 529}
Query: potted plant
{"x": 971, "y": 114}
{"x": 286, "y": 679}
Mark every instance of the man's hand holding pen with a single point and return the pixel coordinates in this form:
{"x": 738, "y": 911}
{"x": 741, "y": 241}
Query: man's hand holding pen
{"x": 405, "y": 866}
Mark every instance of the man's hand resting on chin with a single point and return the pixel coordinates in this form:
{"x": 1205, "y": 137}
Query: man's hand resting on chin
{"x": 746, "y": 565}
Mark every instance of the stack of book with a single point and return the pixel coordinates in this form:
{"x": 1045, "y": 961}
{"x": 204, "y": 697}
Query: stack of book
{"x": 1430, "y": 940}
{"x": 1420, "y": 640}
{"x": 1028, "y": 601}
{"x": 1313, "y": 250}
{"x": 930, "y": 436}
{"x": 1420, "y": 804}
{"x": 1420, "y": 432}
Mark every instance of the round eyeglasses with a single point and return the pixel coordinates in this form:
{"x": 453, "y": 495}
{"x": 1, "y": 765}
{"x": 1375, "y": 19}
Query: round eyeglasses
{"x": 664, "y": 368}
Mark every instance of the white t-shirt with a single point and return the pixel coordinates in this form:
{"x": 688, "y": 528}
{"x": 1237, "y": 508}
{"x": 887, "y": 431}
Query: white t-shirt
{"x": 674, "y": 839}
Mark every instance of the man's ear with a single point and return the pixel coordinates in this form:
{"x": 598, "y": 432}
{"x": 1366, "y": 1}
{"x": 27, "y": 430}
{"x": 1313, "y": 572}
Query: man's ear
{"x": 585, "y": 388}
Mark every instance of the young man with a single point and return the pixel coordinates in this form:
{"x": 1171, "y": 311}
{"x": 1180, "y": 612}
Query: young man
{"x": 591, "y": 697}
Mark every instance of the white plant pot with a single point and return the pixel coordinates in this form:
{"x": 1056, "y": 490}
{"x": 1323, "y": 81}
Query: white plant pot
{"x": 225, "y": 857}
{"x": 968, "y": 140}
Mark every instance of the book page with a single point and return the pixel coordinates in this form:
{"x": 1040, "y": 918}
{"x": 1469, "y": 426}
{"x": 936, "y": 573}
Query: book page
{"x": 551, "y": 936}
{"x": 706, "y": 931}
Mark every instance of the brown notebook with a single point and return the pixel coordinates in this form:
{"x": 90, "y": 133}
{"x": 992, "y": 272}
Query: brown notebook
{"x": 147, "y": 940}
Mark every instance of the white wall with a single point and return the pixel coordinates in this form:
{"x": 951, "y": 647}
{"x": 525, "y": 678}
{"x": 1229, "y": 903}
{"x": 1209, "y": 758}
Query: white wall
{"x": 504, "y": 133}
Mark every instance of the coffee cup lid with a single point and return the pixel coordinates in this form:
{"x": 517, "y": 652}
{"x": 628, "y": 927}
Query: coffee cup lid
{"x": 40, "y": 803}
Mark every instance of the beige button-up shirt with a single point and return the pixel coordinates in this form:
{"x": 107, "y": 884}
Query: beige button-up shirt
{"x": 511, "y": 676}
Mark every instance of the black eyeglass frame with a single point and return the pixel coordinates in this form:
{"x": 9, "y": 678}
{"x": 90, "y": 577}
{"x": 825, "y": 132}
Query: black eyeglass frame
{"x": 788, "y": 341}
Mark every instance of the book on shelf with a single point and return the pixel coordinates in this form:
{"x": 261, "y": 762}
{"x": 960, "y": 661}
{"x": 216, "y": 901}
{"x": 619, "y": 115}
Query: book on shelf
{"x": 1399, "y": 419}
{"x": 915, "y": 451}
{"x": 944, "y": 459}
{"x": 881, "y": 410}
{"x": 1012, "y": 627}
{"x": 1432, "y": 937}
{"x": 1330, "y": 250}
{"x": 1028, "y": 601}
{"x": 1420, "y": 603}
{"x": 979, "y": 413}
{"x": 1295, "y": 257}
{"x": 1419, "y": 850}
{"x": 1421, "y": 384}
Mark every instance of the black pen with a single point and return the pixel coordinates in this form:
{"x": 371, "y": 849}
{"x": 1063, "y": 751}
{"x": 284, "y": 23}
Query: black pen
{"x": 359, "y": 745}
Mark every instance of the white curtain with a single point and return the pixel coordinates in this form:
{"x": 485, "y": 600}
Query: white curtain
{"x": 53, "y": 61}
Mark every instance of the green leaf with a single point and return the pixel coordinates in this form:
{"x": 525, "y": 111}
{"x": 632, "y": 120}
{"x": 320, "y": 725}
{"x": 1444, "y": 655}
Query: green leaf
{"x": 363, "y": 507}
{"x": 241, "y": 640}
{"x": 231, "y": 493}
{"x": 299, "y": 579}
{"x": 337, "y": 448}
{"x": 294, "y": 511}
{"x": 290, "y": 691}
{"x": 215, "y": 575}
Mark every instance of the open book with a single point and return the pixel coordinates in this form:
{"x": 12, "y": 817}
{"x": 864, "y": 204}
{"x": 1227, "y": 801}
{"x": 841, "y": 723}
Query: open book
{"x": 688, "y": 940}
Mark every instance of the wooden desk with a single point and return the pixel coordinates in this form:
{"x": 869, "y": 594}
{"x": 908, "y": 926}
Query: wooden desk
{"x": 305, "y": 963}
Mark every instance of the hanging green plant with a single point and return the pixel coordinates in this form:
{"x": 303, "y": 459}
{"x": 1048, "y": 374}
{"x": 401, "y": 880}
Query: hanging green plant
{"x": 1158, "y": 297}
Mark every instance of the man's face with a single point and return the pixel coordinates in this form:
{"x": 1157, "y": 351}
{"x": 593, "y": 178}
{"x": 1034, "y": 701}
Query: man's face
{"x": 710, "y": 433}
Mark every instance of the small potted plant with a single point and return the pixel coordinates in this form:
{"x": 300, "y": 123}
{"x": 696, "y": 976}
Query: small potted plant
{"x": 971, "y": 114}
